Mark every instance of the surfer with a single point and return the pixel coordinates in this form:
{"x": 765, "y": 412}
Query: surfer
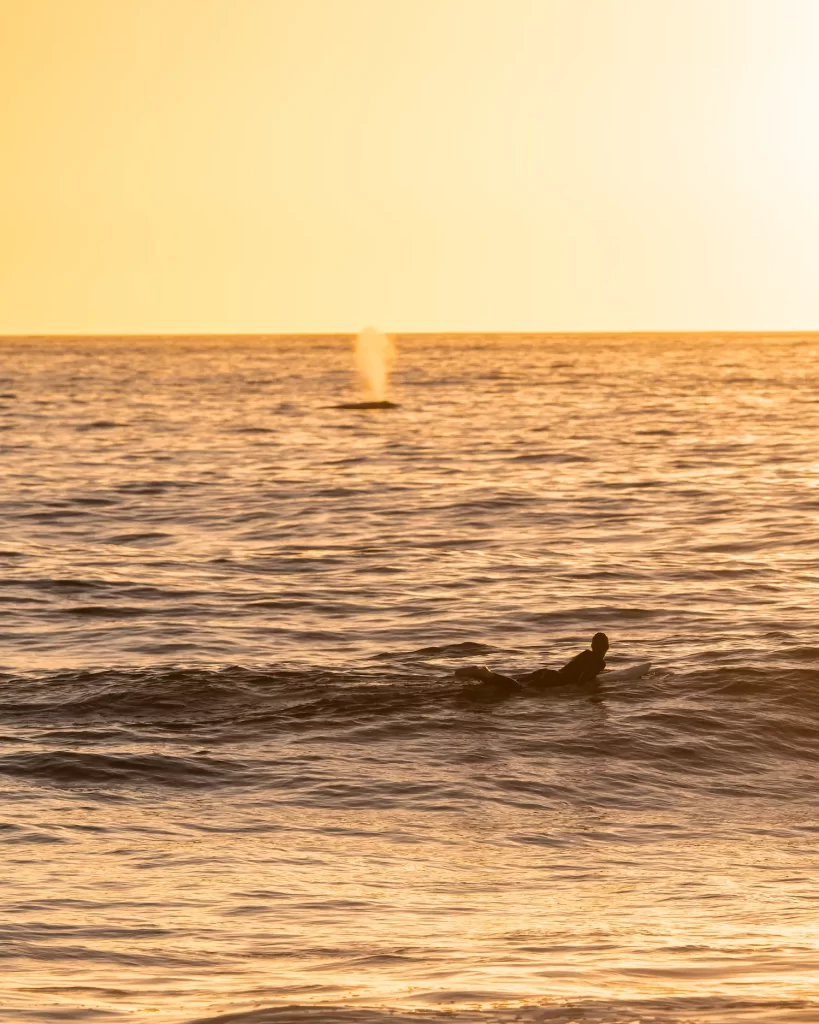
{"x": 583, "y": 668}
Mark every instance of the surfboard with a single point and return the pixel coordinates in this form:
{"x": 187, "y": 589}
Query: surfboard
{"x": 634, "y": 672}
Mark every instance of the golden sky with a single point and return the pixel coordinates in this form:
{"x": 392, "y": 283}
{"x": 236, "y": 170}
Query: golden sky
{"x": 316, "y": 165}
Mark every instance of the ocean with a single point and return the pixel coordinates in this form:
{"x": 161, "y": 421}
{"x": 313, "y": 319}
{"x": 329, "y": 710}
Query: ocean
{"x": 240, "y": 782}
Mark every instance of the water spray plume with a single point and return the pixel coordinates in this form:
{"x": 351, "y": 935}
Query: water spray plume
{"x": 374, "y": 355}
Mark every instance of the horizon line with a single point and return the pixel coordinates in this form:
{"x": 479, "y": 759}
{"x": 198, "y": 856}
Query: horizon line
{"x": 113, "y": 335}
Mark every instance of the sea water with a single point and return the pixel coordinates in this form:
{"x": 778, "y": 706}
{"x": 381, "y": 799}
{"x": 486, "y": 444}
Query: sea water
{"x": 239, "y": 781}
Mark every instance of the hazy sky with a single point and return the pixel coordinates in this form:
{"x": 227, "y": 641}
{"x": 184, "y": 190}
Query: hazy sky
{"x": 316, "y": 165}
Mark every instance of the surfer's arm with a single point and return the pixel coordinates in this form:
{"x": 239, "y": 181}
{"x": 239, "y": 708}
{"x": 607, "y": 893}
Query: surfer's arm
{"x": 484, "y": 675}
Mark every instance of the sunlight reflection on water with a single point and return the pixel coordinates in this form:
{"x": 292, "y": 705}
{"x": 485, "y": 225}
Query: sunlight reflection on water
{"x": 326, "y": 823}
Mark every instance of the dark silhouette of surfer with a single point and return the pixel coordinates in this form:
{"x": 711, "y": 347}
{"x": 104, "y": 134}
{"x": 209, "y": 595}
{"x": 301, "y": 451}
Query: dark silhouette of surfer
{"x": 583, "y": 668}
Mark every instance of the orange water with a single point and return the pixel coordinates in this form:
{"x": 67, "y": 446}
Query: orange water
{"x": 236, "y": 770}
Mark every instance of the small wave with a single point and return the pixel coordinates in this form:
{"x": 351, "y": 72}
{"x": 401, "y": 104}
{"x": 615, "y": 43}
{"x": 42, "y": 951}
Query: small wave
{"x": 158, "y": 486}
{"x": 804, "y": 653}
{"x": 727, "y": 730}
{"x": 464, "y": 1007}
{"x": 466, "y": 649}
{"x": 147, "y": 537}
{"x": 55, "y": 513}
{"x": 56, "y": 584}
{"x": 94, "y": 611}
{"x": 93, "y": 502}
{"x": 556, "y": 457}
{"x": 70, "y": 767}
{"x": 99, "y": 425}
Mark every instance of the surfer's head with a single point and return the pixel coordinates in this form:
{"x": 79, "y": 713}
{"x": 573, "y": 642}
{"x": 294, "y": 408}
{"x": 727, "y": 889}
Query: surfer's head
{"x": 600, "y": 643}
